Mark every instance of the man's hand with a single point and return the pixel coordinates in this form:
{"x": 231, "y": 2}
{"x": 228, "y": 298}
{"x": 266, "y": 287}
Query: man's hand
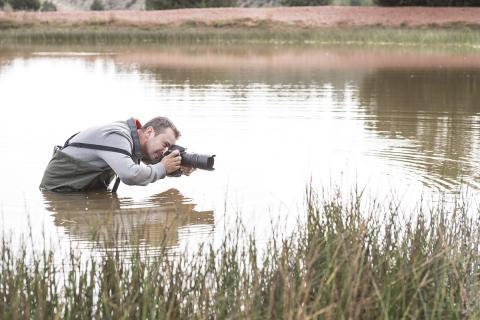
{"x": 172, "y": 162}
{"x": 186, "y": 170}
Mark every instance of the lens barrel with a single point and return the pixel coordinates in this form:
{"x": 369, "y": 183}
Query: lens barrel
{"x": 200, "y": 161}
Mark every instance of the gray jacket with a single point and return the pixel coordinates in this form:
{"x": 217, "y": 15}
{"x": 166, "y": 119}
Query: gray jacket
{"x": 71, "y": 168}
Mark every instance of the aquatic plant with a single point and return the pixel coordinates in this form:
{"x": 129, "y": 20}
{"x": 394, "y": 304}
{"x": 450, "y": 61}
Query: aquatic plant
{"x": 346, "y": 259}
{"x": 261, "y": 32}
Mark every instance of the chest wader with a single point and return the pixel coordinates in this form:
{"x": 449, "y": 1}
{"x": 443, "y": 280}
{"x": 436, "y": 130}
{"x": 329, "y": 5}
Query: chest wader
{"x": 67, "y": 174}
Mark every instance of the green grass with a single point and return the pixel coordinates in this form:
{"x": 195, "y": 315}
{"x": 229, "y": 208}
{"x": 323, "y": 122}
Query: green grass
{"x": 342, "y": 262}
{"x": 231, "y": 33}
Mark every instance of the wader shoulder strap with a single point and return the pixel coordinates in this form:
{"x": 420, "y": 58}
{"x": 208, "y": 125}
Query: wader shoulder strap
{"x": 99, "y": 147}
{"x": 132, "y": 124}
{"x": 94, "y": 146}
{"x": 66, "y": 144}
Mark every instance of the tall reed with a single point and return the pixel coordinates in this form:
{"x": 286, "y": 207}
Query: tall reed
{"x": 238, "y": 32}
{"x": 344, "y": 260}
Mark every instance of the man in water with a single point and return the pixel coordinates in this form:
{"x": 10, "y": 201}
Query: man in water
{"x": 90, "y": 159}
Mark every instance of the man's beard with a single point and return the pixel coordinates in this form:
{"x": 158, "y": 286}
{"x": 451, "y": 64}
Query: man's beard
{"x": 147, "y": 160}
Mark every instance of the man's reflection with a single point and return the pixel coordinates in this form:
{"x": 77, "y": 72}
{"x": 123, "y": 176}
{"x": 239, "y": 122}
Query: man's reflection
{"x": 104, "y": 219}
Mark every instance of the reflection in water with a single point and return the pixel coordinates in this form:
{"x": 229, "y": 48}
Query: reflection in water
{"x": 437, "y": 111}
{"x": 293, "y": 69}
{"x": 103, "y": 218}
{"x": 424, "y": 106}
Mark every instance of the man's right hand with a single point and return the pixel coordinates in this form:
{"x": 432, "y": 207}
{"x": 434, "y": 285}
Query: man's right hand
{"x": 172, "y": 162}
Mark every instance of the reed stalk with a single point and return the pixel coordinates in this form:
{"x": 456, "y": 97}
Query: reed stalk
{"x": 342, "y": 261}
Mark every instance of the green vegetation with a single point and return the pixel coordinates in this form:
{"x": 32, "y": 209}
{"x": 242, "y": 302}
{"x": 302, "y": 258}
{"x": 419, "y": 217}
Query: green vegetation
{"x": 342, "y": 262}
{"x": 97, "y": 5}
{"x": 354, "y": 3}
{"x": 429, "y": 3}
{"x": 48, "y": 6}
{"x": 295, "y": 3}
{"x": 27, "y": 5}
{"x": 180, "y": 4}
{"x": 234, "y": 32}
{"x": 2, "y": 3}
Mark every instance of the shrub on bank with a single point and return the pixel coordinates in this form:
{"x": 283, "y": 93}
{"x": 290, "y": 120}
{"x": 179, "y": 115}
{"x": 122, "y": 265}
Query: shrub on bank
{"x": 180, "y": 4}
{"x": 27, "y": 5}
{"x": 295, "y": 3}
{"x": 48, "y": 6}
{"x": 97, "y": 5}
{"x": 2, "y": 4}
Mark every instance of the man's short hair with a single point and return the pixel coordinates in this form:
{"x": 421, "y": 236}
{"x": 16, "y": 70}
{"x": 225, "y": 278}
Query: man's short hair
{"x": 160, "y": 124}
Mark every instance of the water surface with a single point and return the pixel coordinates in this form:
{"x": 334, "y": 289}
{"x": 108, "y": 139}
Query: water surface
{"x": 395, "y": 122}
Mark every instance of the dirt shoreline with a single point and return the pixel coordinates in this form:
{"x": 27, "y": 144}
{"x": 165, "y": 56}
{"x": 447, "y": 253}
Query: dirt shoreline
{"x": 303, "y": 17}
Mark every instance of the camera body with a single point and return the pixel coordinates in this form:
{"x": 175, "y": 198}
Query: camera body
{"x": 194, "y": 160}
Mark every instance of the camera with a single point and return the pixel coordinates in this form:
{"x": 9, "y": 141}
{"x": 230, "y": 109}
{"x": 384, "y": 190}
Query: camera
{"x": 195, "y": 160}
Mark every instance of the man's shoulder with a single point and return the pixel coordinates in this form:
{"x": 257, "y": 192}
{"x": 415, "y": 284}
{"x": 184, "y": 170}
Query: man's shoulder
{"x": 117, "y": 127}
{"x": 116, "y": 131}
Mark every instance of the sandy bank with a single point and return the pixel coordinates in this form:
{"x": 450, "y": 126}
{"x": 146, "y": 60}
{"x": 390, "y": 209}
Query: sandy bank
{"x": 305, "y": 17}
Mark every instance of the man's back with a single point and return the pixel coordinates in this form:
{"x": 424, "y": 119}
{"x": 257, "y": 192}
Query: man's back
{"x": 116, "y": 134}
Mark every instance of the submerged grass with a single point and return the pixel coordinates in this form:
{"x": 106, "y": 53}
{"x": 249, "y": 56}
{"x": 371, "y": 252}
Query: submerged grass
{"x": 230, "y": 33}
{"x": 341, "y": 262}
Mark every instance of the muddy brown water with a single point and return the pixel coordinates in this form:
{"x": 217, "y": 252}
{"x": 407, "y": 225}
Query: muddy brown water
{"x": 399, "y": 123}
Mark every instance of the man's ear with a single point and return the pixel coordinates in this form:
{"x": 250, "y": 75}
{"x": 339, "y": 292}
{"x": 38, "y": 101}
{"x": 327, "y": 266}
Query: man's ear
{"x": 150, "y": 132}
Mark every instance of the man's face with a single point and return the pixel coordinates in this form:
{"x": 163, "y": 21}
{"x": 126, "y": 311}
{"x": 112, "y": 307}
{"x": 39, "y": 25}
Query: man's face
{"x": 156, "y": 145}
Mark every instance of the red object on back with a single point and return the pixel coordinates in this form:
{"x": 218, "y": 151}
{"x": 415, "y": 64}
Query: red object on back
{"x": 138, "y": 124}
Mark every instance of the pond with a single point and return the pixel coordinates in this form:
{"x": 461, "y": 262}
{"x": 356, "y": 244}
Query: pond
{"x": 398, "y": 123}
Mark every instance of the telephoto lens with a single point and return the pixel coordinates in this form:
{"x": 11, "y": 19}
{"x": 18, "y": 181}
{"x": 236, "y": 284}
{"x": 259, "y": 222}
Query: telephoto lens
{"x": 195, "y": 160}
{"x": 200, "y": 161}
